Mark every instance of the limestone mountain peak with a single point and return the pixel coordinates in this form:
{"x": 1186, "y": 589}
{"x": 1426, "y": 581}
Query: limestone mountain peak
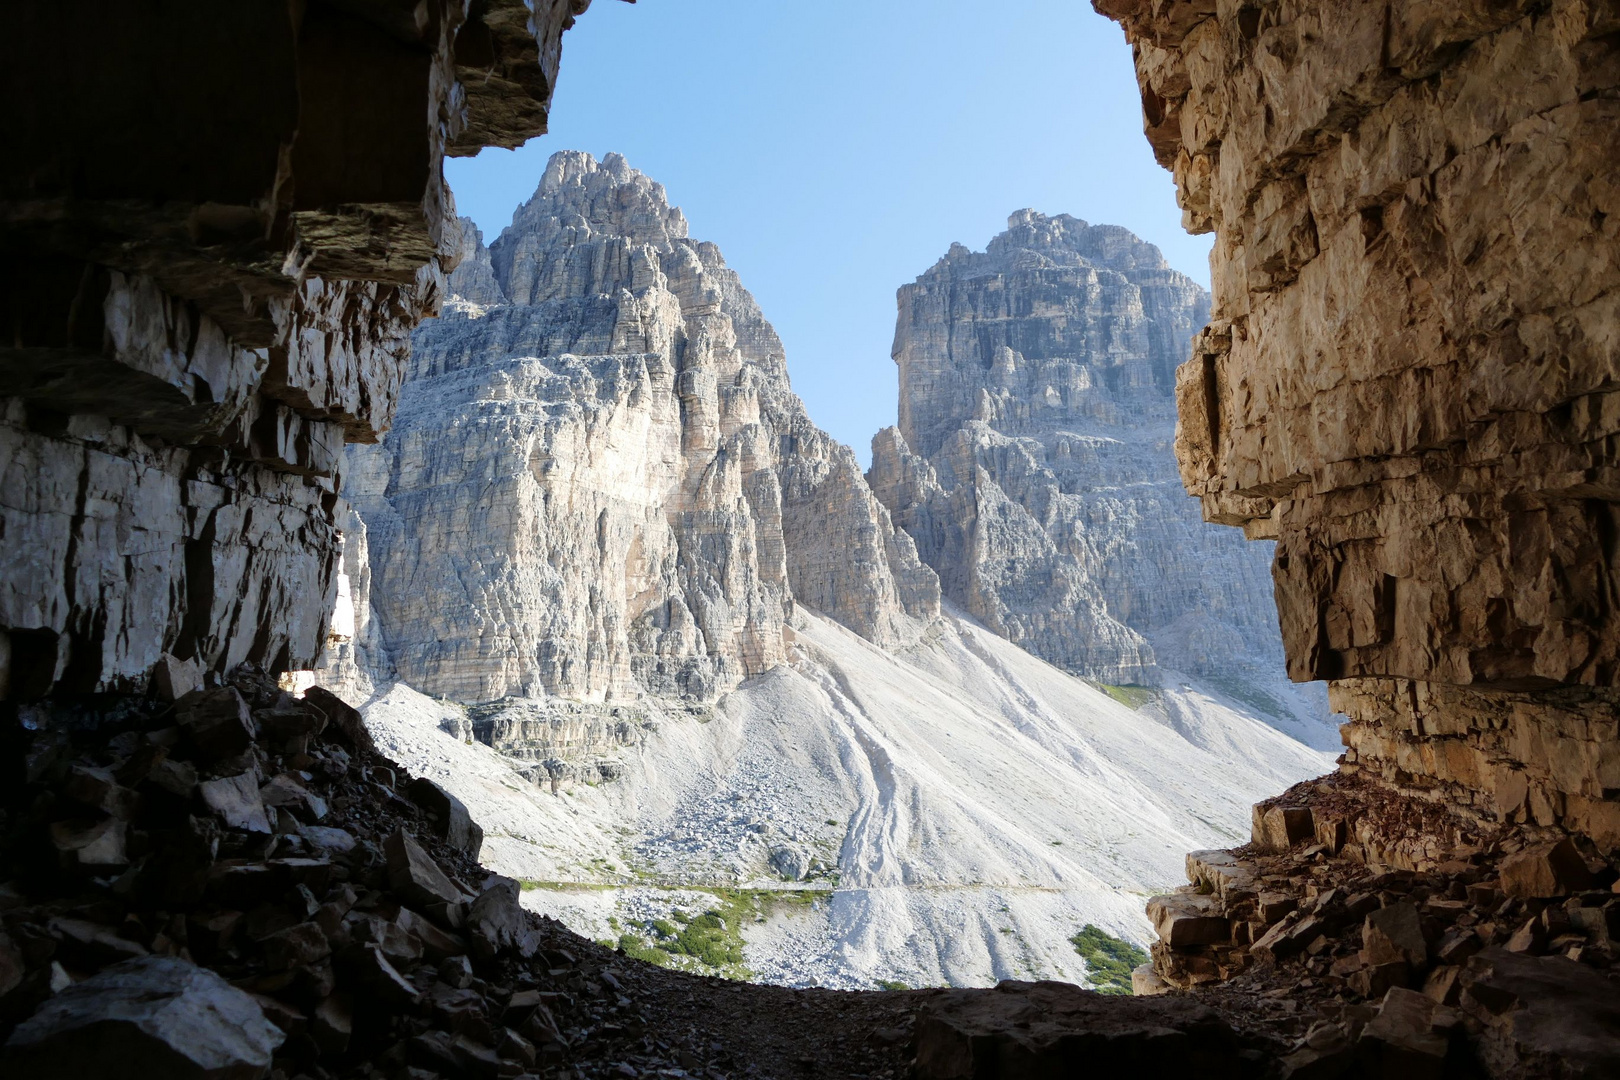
{"x": 1037, "y": 241}
{"x": 1032, "y": 461}
{"x": 600, "y": 484}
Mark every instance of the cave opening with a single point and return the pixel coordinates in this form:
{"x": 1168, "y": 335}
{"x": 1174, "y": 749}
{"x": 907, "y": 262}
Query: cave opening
{"x": 585, "y": 616}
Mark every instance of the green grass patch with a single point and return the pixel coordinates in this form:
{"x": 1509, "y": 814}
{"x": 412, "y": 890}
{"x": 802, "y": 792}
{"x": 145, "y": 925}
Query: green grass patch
{"x": 1109, "y": 959}
{"x": 892, "y": 984}
{"x": 1130, "y": 695}
{"x": 637, "y": 948}
{"x": 708, "y": 943}
{"x": 529, "y": 885}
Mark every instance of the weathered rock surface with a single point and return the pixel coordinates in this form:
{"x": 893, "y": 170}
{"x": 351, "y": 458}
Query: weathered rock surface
{"x": 1408, "y": 376}
{"x": 151, "y": 1017}
{"x": 1543, "y": 1016}
{"x": 1395, "y": 383}
{"x": 211, "y": 278}
{"x": 599, "y": 484}
{"x": 1549, "y": 757}
{"x": 448, "y": 816}
{"x": 1478, "y": 941}
{"x": 1032, "y": 462}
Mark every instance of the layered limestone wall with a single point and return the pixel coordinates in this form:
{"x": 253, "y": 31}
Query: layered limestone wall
{"x": 599, "y": 484}
{"x": 218, "y": 232}
{"x": 1550, "y": 757}
{"x": 1409, "y": 377}
{"x": 1032, "y": 461}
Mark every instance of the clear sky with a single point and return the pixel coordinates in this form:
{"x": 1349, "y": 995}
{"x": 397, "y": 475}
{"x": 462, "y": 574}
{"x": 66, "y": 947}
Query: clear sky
{"x": 835, "y": 151}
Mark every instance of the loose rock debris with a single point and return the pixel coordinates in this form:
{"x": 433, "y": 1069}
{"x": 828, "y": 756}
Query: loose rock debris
{"x": 236, "y": 885}
{"x": 1381, "y": 935}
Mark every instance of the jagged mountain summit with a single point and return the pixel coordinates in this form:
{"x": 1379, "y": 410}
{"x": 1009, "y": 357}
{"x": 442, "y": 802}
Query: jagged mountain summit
{"x": 613, "y": 587}
{"x": 1033, "y": 466}
{"x": 599, "y": 484}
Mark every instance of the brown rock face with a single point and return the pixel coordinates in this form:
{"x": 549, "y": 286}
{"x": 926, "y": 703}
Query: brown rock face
{"x": 1408, "y": 377}
{"x": 219, "y": 229}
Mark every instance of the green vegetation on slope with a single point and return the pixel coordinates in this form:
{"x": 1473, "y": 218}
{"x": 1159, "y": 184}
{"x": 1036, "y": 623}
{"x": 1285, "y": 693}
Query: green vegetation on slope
{"x": 1130, "y": 695}
{"x": 1109, "y": 959}
{"x": 710, "y": 943}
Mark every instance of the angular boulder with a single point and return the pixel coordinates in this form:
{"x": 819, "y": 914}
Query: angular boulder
{"x": 96, "y": 844}
{"x": 286, "y": 792}
{"x": 1552, "y": 869}
{"x": 173, "y": 678}
{"x": 156, "y": 1018}
{"x": 217, "y": 720}
{"x": 1184, "y": 919}
{"x": 1409, "y": 1036}
{"x": 497, "y": 923}
{"x": 448, "y": 815}
{"x": 1278, "y": 828}
{"x": 1394, "y": 935}
{"x": 235, "y": 800}
{"x": 790, "y": 862}
{"x": 344, "y": 718}
{"x": 1542, "y": 1016}
{"x": 414, "y": 875}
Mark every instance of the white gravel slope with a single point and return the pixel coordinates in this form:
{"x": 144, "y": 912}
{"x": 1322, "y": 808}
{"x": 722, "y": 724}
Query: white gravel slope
{"x": 979, "y": 805}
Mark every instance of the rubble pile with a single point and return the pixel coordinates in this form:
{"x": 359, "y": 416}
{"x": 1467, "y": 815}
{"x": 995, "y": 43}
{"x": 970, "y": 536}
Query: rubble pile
{"x": 1365, "y": 924}
{"x": 233, "y": 883}
{"x": 225, "y": 881}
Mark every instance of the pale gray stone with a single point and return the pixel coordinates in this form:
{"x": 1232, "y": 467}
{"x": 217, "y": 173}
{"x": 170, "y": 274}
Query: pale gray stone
{"x": 1033, "y": 466}
{"x": 153, "y": 1017}
{"x": 599, "y": 484}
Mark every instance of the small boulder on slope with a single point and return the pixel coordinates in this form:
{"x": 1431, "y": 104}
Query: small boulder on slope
{"x": 497, "y": 922}
{"x": 448, "y": 815}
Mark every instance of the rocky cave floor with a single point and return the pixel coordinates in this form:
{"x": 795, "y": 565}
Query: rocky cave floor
{"x": 177, "y": 876}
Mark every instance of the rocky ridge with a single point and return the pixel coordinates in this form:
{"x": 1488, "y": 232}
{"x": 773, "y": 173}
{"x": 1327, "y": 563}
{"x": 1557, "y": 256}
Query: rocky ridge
{"x": 599, "y": 484}
{"x": 1032, "y": 461}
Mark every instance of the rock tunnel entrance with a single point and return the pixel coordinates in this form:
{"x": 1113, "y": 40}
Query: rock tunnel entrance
{"x": 221, "y": 229}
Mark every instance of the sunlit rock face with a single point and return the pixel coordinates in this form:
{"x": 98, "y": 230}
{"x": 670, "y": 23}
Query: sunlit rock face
{"x": 599, "y": 484}
{"x": 1409, "y": 375}
{"x": 1033, "y": 462}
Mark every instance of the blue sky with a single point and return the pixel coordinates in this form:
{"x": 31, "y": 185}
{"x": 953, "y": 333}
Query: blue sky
{"x": 834, "y": 152}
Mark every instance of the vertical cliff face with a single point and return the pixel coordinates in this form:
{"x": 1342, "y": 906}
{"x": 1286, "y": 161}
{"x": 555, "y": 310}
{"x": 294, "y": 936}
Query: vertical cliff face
{"x": 1033, "y": 465}
{"x": 218, "y": 233}
{"x": 1409, "y": 375}
{"x": 599, "y": 484}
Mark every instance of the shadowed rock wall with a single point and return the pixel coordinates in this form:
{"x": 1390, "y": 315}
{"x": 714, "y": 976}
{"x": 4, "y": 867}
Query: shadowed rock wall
{"x": 220, "y": 224}
{"x": 1409, "y": 377}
